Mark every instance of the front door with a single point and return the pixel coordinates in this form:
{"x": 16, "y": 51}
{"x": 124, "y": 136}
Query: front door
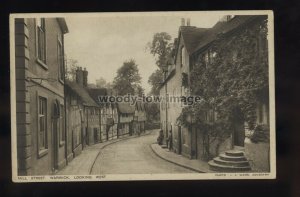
{"x": 238, "y": 129}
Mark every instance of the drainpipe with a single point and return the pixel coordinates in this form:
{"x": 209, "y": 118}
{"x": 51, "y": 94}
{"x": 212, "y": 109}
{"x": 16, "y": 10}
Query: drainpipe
{"x": 166, "y": 90}
{"x": 65, "y": 108}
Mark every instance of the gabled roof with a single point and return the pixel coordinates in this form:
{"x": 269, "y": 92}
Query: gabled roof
{"x": 222, "y": 28}
{"x": 81, "y": 92}
{"x": 191, "y": 36}
{"x": 126, "y": 108}
{"x": 95, "y": 92}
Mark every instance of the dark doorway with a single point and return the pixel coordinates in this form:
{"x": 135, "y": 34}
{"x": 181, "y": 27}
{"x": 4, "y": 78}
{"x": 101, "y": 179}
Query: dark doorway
{"x": 238, "y": 128}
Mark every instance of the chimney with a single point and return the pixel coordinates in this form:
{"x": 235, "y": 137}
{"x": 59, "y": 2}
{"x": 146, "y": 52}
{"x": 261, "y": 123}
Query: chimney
{"x": 182, "y": 22}
{"x": 85, "y": 77}
{"x": 188, "y": 22}
{"x": 79, "y": 76}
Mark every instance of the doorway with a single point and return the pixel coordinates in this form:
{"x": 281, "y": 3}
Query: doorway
{"x": 55, "y": 134}
{"x": 238, "y": 128}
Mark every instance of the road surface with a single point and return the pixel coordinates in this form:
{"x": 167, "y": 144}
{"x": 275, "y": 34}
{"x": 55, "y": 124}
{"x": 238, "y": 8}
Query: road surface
{"x": 133, "y": 156}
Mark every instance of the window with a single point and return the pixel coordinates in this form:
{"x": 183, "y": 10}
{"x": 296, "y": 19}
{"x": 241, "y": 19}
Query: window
{"x": 92, "y": 111}
{"x": 60, "y": 56}
{"x": 61, "y": 125}
{"x": 182, "y": 56}
{"x": 209, "y": 57}
{"x": 41, "y": 40}
{"x": 42, "y": 124}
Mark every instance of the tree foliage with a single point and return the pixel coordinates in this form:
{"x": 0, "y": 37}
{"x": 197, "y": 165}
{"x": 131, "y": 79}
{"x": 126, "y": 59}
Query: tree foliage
{"x": 128, "y": 79}
{"x": 70, "y": 69}
{"x": 232, "y": 83}
{"x": 155, "y": 81}
{"x": 160, "y": 48}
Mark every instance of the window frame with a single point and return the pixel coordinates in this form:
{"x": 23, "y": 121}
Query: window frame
{"x": 42, "y": 27}
{"x": 62, "y": 131}
{"x": 60, "y": 60}
{"x": 42, "y": 151}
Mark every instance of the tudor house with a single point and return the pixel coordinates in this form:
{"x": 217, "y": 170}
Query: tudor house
{"x": 192, "y": 47}
{"x": 139, "y": 118}
{"x": 40, "y": 108}
{"x": 125, "y": 118}
{"x": 108, "y": 114}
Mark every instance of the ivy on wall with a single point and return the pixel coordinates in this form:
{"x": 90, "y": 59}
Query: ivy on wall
{"x": 232, "y": 83}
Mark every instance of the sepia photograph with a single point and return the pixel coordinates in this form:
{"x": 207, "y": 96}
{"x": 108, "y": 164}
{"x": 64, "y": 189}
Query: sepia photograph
{"x": 142, "y": 96}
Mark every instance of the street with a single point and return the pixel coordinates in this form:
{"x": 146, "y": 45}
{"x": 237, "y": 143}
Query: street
{"x": 133, "y": 156}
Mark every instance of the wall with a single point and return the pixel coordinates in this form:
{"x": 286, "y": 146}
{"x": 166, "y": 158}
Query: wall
{"x": 93, "y": 124}
{"x": 74, "y": 125}
{"x": 258, "y": 155}
{"x": 174, "y": 88}
{"x": 28, "y": 90}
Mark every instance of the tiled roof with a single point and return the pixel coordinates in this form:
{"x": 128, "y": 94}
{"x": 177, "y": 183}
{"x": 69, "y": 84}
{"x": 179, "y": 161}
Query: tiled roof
{"x": 222, "y": 28}
{"x": 81, "y": 92}
{"x": 95, "y": 92}
{"x": 126, "y": 108}
{"x": 191, "y": 36}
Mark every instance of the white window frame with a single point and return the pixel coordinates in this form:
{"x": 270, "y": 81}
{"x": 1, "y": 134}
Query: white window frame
{"x": 42, "y": 150}
{"x": 60, "y": 60}
{"x": 61, "y": 125}
{"x": 38, "y": 27}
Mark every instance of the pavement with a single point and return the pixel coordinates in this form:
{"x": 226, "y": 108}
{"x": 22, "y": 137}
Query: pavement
{"x": 192, "y": 164}
{"x": 83, "y": 163}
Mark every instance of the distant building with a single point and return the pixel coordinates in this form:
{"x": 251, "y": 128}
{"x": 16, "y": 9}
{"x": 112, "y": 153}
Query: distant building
{"x": 40, "y": 108}
{"x": 139, "y": 118}
{"x": 108, "y": 114}
{"x": 125, "y": 116}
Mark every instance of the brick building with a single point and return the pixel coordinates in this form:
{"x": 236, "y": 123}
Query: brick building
{"x": 40, "y": 109}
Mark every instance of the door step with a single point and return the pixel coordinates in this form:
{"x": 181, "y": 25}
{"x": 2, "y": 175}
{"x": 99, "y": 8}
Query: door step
{"x": 231, "y": 161}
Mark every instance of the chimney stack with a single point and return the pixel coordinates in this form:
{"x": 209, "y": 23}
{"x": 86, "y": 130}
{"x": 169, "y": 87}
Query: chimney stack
{"x": 188, "y": 22}
{"x": 182, "y": 22}
{"x": 79, "y": 76}
{"x": 85, "y": 77}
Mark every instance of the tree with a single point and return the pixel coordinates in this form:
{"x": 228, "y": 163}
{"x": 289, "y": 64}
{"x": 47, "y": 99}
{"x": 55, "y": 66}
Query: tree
{"x": 153, "y": 112}
{"x": 71, "y": 66}
{"x": 155, "y": 80}
{"x": 139, "y": 90}
{"x": 100, "y": 83}
{"x": 128, "y": 79}
{"x": 161, "y": 48}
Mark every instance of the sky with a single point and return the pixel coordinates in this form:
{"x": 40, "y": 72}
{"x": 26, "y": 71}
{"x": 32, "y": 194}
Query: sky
{"x": 102, "y": 42}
